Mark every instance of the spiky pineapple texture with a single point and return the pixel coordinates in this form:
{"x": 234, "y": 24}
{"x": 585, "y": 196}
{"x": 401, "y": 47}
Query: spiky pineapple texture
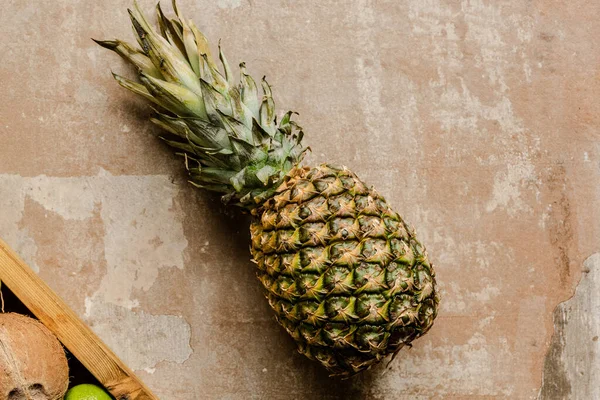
{"x": 346, "y": 276}
{"x": 229, "y": 136}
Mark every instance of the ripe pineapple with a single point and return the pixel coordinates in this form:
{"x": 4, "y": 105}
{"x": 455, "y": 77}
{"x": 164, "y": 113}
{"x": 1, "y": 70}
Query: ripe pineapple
{"x": 345, "y": 275}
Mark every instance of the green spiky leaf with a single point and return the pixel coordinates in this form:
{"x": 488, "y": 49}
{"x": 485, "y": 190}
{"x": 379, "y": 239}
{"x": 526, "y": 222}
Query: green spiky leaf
{"x": 226, "y": 131}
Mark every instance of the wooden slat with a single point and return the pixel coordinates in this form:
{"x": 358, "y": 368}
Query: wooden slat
{"x": 76, "y": 336}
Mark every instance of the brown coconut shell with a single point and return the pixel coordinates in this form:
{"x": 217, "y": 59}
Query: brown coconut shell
{"x": 33, "y": 365}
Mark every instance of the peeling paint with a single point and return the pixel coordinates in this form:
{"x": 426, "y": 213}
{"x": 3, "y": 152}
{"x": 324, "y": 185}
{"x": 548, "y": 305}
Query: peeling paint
{"x": 572, "y": 365}
{"x": 12, "y": 203}
{"x": 71, "y": 198}
{"x": 141, "y": 233}
{"x": 144, "y": 214}
{"x": 141, "y": 339}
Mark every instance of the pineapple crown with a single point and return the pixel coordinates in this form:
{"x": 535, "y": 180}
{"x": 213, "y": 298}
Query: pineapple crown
{"x": 229, "y": 137}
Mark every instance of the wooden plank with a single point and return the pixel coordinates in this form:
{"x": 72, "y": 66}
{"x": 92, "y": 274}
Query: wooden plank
{"x": 76, "y": 336}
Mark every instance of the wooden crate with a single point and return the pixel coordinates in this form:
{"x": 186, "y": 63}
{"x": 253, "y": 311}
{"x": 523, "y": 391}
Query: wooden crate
{"x": 75, "y": 335}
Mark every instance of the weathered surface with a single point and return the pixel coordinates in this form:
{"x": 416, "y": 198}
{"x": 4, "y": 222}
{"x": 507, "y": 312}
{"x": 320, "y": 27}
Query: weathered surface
{"x": 478, "y": 121}
{"x": 572, "y": 367}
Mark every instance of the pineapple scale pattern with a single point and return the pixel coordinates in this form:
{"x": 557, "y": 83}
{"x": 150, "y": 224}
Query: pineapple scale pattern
{"x": 345, "y": 275}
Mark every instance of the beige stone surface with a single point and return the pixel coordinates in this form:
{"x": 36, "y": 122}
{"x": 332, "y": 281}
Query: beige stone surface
{"x": 478, "y": 120}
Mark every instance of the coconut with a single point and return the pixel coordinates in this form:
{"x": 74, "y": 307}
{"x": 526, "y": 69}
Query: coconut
{"x": 33, "y": 365}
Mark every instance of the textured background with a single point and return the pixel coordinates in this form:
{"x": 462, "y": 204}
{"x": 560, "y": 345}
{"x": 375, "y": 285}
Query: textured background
{"x": 478, "y": 120}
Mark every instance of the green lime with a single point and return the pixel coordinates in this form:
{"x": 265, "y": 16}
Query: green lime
{"x": 87, "y": 392}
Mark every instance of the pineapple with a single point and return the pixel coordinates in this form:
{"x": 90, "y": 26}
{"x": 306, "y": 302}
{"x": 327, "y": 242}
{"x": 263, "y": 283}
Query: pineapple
{"x": 345, "y": 275}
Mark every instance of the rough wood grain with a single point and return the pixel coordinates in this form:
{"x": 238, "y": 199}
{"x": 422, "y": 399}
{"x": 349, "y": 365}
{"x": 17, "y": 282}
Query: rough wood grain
{"x": 70, "y": 330}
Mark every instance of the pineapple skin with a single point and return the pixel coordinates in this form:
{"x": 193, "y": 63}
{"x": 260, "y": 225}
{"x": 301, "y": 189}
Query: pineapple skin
{"x": 345, "y": 275}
